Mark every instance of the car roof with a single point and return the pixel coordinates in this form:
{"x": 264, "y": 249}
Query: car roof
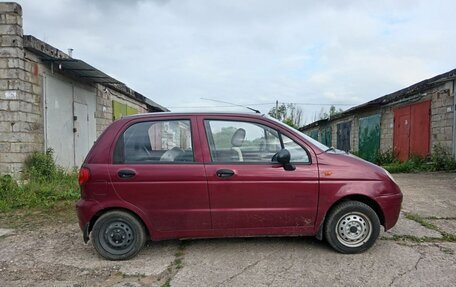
{"x": 257, "y": 115}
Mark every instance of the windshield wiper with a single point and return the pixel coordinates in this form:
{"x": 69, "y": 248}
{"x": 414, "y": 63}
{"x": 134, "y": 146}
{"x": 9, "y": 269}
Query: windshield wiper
{"x": 331, "y": 148}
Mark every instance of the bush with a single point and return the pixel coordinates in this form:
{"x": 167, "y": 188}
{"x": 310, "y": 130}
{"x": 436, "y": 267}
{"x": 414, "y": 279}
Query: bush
{"x": 44, "y": 184}
{"x": 40, "y": 166}
{"x": 385, "y": 157}
{"x": 442, "y": 159}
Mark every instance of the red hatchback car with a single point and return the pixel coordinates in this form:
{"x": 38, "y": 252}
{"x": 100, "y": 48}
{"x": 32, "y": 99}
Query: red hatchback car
{"x": 189, "y": 175}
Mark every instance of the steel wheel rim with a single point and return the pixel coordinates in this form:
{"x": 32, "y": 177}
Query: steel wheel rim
{"x": 117, "y": 237}
{"x": 353, "y": 229}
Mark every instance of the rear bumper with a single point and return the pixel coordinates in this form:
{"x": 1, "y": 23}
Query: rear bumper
{"x": 391, "y": 207}
{"x": 85, "y": 210}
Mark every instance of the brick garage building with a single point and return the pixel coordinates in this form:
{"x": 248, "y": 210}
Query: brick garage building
{"x": 50, "y": 100}
{"x": 409, "y": 122}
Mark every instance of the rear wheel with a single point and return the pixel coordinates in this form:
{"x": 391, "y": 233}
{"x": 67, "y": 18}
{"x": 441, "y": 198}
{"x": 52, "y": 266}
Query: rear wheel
{"x": 352, "y": 227}
{"x": 118, "y": 235}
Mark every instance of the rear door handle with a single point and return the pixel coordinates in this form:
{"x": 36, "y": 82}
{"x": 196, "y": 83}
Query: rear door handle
{"x": 126, "y": 173}
{"x": 225, "y": 173}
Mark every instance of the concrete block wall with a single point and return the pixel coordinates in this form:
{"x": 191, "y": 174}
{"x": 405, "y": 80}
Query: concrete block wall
{"x": 21, "y": 130}
{"x": 386, "y": 129}
{"x": 442, "y": 113}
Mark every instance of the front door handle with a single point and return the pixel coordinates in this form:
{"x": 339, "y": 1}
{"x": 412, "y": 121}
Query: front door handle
{"x": 225, "y": 173}
{"x": 126, "y": 173}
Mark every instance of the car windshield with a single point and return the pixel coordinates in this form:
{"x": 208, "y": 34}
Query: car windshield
{"x": 306, "y": 137}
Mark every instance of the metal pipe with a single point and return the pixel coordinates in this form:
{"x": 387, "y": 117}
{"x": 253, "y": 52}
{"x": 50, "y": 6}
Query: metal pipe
{"x": 43, "y": 87}
{"x": 454, "y": 120}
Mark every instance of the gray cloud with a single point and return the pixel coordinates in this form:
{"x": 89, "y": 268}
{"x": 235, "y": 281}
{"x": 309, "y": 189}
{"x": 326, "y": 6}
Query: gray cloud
{"x": 176, "y": 52}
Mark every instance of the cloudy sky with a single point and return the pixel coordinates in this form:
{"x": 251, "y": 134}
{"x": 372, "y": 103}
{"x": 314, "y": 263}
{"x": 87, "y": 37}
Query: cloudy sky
{"x": 314, "y": 53}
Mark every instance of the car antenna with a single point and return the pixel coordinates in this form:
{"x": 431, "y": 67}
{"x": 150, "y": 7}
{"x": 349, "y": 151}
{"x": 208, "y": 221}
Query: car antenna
{"x": 218, "y": 101}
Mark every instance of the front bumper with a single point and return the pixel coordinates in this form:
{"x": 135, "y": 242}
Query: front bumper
{"x": 391, "y": 207}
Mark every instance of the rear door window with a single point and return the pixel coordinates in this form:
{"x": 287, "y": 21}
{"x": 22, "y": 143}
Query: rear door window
{"x": 155, "y": 142}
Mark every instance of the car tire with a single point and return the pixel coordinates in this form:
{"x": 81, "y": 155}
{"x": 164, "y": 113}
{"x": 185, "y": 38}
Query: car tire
{"x": 352, "y": 227}
{"x": 118, "y": 235}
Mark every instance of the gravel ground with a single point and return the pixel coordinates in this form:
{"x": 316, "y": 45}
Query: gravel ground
{"x": 409, "y": 254}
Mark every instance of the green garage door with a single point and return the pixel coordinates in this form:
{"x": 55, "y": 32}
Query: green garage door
{"x": 314, "y": 134}
{"x": 369, "y": 136}
{"x": 326, "y": 136}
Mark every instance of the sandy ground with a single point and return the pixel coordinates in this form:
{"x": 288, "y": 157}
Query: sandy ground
{"x": 407, "y": 255}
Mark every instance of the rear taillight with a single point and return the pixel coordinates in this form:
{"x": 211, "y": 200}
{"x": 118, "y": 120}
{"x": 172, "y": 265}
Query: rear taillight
{"x": 84, "y": 175}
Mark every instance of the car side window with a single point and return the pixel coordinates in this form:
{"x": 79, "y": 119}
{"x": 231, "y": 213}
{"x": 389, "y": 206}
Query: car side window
{"x": 155, "y": 142}
{"x": 297, "y": 152}
{"x": 236, "y": 141}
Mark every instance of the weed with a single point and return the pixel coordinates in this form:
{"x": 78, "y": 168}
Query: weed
{"x": 421, "y": 220}
{"x": 385, "y": 157}
{"x": 448, "y": 237}
{"x": 412, "y": 238}
{"x": 447, "y": 250}
{"x": 167, "y": 283}
{"x": 442, "y": 159}
{"x": 43, "y": 185}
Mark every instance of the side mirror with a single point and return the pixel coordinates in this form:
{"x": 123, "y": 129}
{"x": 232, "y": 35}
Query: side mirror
{"x": 283, "y": 157}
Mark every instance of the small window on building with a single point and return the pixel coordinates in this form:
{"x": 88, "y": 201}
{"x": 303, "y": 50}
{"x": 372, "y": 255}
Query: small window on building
{"x": 154, "y": 142}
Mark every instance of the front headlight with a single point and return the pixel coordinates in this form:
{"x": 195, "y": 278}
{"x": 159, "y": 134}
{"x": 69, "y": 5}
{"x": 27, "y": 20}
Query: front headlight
{"x": 389, "y": 175}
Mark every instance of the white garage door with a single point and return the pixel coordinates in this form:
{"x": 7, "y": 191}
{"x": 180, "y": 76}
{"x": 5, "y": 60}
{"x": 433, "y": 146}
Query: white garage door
{"x": 70, "y": 121}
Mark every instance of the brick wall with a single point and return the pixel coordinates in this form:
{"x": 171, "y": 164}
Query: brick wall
{"x": 21, "y": 129}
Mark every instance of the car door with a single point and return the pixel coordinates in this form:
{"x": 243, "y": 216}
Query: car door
{"x": 157, "y": 166}
{"x": 247, "y": 189}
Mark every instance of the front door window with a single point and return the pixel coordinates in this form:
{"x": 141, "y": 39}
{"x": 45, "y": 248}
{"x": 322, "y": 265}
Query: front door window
{"x": 233, "y": 141}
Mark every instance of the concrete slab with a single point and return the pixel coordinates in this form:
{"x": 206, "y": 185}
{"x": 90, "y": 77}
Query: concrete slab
{"x": 62, "y": 250}
{"x": 447, "y": 225}
{"x": 434, "y": 267}
{"x": 303, "y": 262}
{"x": 5, "y": 232}
{"x": 406, "y": 226}
{"x": 429, "y": 194}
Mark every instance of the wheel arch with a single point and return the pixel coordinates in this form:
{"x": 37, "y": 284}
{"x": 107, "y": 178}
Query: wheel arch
{"x": 353, "y": 197}
{"x": 105, "y": 210}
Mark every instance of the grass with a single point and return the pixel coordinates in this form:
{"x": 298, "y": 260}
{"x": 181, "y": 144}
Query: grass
{"x": 44, "y": 191}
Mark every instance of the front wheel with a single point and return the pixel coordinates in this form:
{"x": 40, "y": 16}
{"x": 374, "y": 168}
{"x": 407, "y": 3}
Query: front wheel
{"x": 352, "y": 227}
{"x": 118, "y": 235}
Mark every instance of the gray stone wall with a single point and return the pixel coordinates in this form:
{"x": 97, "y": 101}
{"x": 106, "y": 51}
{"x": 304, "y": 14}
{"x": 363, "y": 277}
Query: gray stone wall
{"x": 442, "y": 116}
{"x": 21, "y": 129}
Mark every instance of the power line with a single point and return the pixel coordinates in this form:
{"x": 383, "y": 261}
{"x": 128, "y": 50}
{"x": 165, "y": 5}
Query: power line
{"x": 259, "y": 104}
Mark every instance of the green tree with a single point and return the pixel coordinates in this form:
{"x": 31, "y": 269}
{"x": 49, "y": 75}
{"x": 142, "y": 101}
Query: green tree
{"x": 289, "y": 114}
{"x": 333, "y": 111}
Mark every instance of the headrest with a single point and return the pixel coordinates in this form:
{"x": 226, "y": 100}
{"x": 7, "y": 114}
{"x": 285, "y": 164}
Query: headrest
{"x": 238, "y": 137}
